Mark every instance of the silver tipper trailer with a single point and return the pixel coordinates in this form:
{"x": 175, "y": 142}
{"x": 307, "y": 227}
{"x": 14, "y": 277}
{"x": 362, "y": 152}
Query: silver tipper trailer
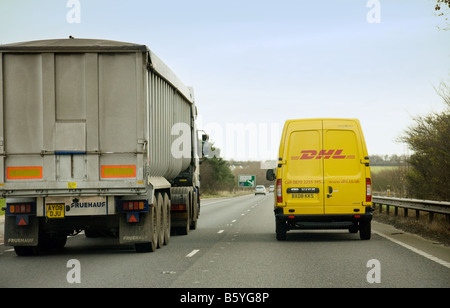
{"x": 95, "y": 135}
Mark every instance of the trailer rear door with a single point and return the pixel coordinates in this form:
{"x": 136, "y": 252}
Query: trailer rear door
{"x": 72, "y": 121}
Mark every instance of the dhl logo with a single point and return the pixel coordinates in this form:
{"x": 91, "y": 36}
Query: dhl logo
{"x": 325, "y": 154}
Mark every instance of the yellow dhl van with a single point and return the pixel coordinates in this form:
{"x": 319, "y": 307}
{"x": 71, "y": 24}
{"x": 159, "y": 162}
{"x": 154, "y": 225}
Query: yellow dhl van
{"x": 323, "y": 177}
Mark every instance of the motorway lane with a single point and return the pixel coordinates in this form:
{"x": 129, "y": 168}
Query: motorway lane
{"x": 248, "y": 255}
{"x": 234, "y": 246}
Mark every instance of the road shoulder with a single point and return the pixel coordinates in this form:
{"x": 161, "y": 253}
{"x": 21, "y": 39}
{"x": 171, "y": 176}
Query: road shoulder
{"x": 412, "y": 241}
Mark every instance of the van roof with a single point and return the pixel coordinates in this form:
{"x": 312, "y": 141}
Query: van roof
{"x": 323, "y": 119}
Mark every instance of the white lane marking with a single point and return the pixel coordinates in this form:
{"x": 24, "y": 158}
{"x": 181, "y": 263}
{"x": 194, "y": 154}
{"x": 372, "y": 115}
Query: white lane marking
{"x": 192, "y": 253}
{"x": 220, "y": 231}
{"x": 413, "y": 249}
{"x": 233, "y": 220}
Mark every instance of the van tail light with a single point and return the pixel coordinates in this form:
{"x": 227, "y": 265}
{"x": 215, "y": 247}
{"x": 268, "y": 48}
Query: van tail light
{"x": 279, "y": 191}
{"x": 368, "y": 190}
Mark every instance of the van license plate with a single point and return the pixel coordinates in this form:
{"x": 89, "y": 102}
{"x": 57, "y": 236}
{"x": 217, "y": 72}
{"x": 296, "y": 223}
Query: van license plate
{"x": 304, "y": 196}
{"x": 55, "y": 210}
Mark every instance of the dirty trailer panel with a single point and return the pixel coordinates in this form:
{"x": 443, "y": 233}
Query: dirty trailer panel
{"x": 88, "y": 124}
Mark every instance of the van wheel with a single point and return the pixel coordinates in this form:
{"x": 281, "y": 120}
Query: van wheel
{"x": 365, "y": 230}
{"x": 280, "y": 230}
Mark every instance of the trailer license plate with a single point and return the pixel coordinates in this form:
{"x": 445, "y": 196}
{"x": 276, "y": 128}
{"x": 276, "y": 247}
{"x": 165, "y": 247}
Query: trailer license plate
{"x": 55, "y": 210}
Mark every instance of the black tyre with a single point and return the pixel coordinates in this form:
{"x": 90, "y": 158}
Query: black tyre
{"x": 365, "y": 230}
{"x": 280, "y": 230}
{"x": 167, "y": 218}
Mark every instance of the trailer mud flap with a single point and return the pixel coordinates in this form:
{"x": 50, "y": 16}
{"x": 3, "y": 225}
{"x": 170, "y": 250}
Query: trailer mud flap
{"x": 136, "y": 232}
{"x": 21, "y": 235}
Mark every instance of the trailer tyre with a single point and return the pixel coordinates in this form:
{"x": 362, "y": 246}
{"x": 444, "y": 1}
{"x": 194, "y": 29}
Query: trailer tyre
{"x": 150, "y": 246}
{"x": 194, "y": 206}
{"x": 167, "y": 218}
{"x": 185, "y": 230}
{"x": 161, "y": 221}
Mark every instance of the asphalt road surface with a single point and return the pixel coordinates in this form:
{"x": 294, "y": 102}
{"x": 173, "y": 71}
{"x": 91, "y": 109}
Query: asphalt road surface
{"x": 234, "y": 246}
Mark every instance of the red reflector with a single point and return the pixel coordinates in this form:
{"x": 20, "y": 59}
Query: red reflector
{"x": 178, "y": 207}
{"x": 22, "y": 222}
{"x": 357, "y": 216}
{"x": 291, "y": 217}
{"x": 133, "y": 217}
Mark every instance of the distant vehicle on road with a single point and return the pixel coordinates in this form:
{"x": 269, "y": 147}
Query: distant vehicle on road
{"x": 260, "y": 190}
{"x": 271, "y": 188}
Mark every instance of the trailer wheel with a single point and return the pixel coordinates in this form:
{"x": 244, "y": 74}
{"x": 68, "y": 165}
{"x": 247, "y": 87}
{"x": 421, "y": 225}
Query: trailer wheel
{"x": 194, "y": 207}
{"x": 185, "y": 229}
{"x": 161, "y": 221}
{"x": 154, "y": 221}
{"x": 167, "y": 218}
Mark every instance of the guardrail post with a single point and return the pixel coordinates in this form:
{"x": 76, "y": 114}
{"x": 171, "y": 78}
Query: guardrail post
{"x": 417, "y": 214}
{"x": 430, "y": 217}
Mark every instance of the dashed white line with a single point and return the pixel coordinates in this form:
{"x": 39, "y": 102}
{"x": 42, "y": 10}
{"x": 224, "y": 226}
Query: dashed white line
{"x": 220, "y": 231}
{"x": 192, "y": 253}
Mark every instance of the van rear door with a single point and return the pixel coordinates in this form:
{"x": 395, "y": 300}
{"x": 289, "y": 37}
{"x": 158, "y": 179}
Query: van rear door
{"x": 344, "y": 170}
{"x": 303, "y": 174}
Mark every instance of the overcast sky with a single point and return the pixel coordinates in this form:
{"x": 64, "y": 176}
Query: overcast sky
{"x": 256, "y": 63}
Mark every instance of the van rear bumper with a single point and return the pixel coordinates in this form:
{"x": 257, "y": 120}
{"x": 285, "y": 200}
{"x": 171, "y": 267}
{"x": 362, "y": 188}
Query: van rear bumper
{"x": 325, "y": 221}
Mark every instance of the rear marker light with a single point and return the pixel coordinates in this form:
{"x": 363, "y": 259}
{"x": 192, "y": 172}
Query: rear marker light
{"x": 133, "y": 205}
{"x": 368, "y": 190}
{"x": 20, "y": 208}
{"x": 279, "y": 191}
